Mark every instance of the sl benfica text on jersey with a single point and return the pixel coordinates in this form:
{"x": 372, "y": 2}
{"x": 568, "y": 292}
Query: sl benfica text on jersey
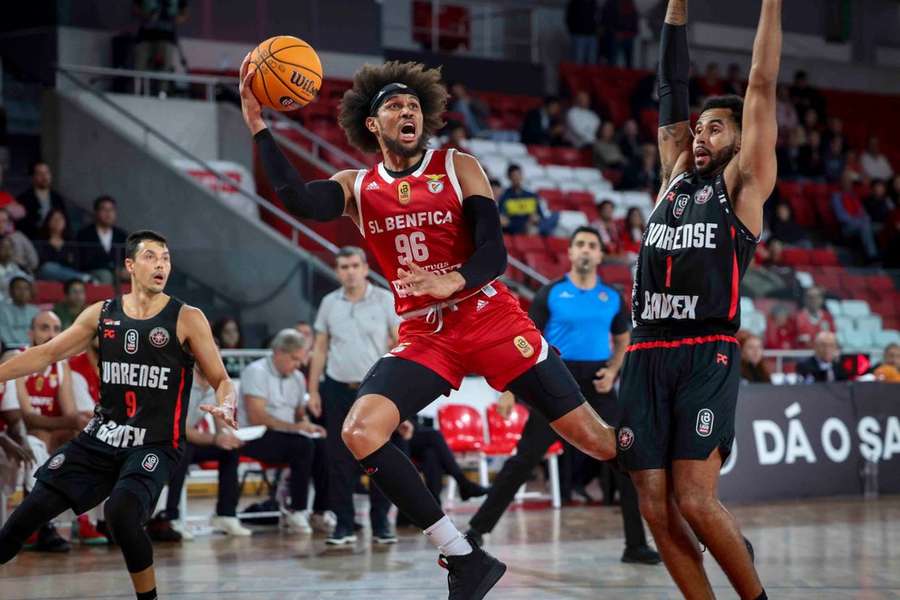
{"x": 145, "y": 377}
{"x": 693, "y": 255}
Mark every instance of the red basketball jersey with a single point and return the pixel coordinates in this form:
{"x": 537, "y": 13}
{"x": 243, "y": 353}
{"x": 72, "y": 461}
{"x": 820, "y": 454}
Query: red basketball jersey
{"x": 81, "y": 364}
{"x": 415, "y": 219}
{"x": 43, "y": 389}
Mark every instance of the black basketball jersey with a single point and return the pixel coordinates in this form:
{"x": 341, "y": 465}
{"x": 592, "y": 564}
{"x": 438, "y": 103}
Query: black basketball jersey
{"x": 145, "y": 379}
{"x": 693, "y": 255}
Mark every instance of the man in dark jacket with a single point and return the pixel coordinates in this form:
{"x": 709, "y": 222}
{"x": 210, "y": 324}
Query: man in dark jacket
{"x": 825, "y": 365}
{"x": 101, "y": 243}
{"x": 38, "y": 200}
{"x": 536, "y": 129}
{"x": 581, "y": 21}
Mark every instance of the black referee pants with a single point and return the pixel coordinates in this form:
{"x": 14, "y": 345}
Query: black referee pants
{"x": 344, "y": 469}
{"x": 537, "y": 437}
{"x": 228, "y": 478}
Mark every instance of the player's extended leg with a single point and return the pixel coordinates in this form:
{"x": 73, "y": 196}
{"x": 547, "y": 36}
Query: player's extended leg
{"x": 367, "y": 431}
{"x": 40, "y": 506}
{"x": 676, "y": 542}
{"x": 549, "y": 387}
{"x": 126, "y": 512}
{"x": 695, "y": 483}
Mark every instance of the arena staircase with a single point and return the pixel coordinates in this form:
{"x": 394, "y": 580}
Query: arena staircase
{"x": 105, "y": 143}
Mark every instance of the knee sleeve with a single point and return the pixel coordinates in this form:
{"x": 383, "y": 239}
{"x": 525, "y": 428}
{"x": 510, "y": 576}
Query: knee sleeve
{"x": 126, "y": 512}
{"x": 40, "y": 506}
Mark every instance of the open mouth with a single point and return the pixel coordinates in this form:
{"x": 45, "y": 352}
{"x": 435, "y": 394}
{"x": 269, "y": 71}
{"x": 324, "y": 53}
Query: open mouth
{"x": 159, "y": 279}
{"x": 408, "y": 132}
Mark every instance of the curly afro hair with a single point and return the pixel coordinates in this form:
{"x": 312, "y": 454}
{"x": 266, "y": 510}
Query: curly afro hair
{"x": 369, "y": 79}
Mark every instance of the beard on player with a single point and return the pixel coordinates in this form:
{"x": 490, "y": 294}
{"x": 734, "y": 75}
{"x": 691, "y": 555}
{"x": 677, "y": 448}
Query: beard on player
{"x": 709, "y": 162}
{"x": 408, "y": 142}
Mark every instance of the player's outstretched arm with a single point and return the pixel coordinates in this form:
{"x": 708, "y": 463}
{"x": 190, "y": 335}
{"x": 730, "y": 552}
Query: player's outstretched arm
{"x": 757, "y": 164}
{"x": 674, "y": 134}
{"x": 320, "y": 200}
{"x": 73, "y": 340}
{"x": 198, "y": 334}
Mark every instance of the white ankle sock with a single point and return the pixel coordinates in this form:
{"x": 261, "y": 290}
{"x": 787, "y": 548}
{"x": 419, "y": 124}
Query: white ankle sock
{"x": 447, "y": 538}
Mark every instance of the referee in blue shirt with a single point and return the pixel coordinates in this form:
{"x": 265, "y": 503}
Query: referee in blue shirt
{"x": 577, "y": 314}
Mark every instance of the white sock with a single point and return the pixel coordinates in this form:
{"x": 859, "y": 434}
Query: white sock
{"x": 447, "y": 538}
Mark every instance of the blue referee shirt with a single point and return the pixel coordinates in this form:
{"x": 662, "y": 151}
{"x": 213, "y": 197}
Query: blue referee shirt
{"x": 579, "y": 322}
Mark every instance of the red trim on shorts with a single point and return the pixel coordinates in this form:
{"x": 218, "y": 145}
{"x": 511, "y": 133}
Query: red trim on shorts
{"x": 176, "y": 431}
{"x": 735, "y": 280}
{"x": 682, "y": 342}
{"x": 668, "y": 271}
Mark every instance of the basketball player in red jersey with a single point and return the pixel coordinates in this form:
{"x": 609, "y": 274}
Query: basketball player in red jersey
{"x": 680, "y": 377}
{"x": 431, "y": 221}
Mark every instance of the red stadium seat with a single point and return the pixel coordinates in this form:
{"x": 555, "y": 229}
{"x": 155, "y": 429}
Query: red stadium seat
{"x": 557, "y": 247}
{"x": 880, "y": 283}
{"x": 824, "y": 257}
{"x": 615, "y": 273}
{"x": 505, "y": 433}
{"x": 528, "y": 243}
{"x": 48, "y": 292}
{"x": 543, "y": 154}
{"x": 793, "y": 257}
{"x": 462, "y": 427}
{"x": 98, "y": 292}
{"x": 555, "y": 199}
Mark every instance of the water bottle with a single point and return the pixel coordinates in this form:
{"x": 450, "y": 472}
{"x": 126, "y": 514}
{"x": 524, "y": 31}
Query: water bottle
{"x": 870, "y": 479}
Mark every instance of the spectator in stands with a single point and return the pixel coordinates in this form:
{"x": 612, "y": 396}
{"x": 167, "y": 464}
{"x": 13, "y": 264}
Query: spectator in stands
{"x": 645, "y": 175}
{"x": 581, "y": 21}
{"x": 853, "y": 165}
{"x": 789, "y": 155}
{"x": 805, "y": 96}
{"x": 630, "y": 142}
{"x": 57, "y": 254}
{"x": 582, "y": 122}
{"x": 273, "y": 390}
{"x": 521, "y": 210}
{"x": 8, "y": 201}
{"x": 227, "y": 333}
{"x": 813, "y": 318}
{"x": 769, "y": 278}
{"x": 39, "y": 200}
{"x": 833, "y": 159}
{"x": 878, "y": 204}
{"x": 607, "y": 152}
{"x": 825, "y": 364}
{"x": 781, "y": 331}
{"x": 618, "y": 28}
{"x": 607, "y": 227}
{"x": 474, "y": 112}
{"x": 894, "y": 189}
{"x": 102, "y": 244}
{"x": 875, "y": 165}
{"x": 735, "y": 84}
{"x": 539, "y": 122}
{"x": 835, "y": 128}
{"x": 811, "y": 122}
{"x": 645, "y": 94}
{"x": 753, "y": 367}
{"x": 157, "y": 37}
{"x": 220, "y": 445}
{"x": 632, "y": 230}
{"x": 496, "y": 189}
{"x": 810, "y": 158}
{"x": 785, "y": 229}
{"x": 306, "y": 330}
{"x": 457, "y": 138}
{"x": 74, "y": 301}
{"x": 711, "y": 84}
{"x": 8, "y": 266}
{"x": 889, "y": 369}
{"x": 355, "y": 325}
{"x": 24, "y": 253}
{"x": 854, "y": 220}
{"x": 785, "y": 112}
{"x": 16, "y": 315}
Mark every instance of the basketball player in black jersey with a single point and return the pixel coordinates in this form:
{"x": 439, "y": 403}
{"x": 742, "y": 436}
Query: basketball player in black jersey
{"x": 148, "y": 344}
{"x": 681, "y": 372}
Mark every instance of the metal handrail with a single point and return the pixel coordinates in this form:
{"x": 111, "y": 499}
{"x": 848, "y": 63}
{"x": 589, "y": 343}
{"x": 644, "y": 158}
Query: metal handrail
{"x": 259, "y": 200}
{"x": 210, "y": 81}
{"x": 317, "y": 141}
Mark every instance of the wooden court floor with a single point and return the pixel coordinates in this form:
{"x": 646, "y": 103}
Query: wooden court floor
{"x": 822, "y": 550}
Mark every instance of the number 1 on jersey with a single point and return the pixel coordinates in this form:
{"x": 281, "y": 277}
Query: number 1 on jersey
{"x": 411, "y": 247}
{"x": 130, "y": 403}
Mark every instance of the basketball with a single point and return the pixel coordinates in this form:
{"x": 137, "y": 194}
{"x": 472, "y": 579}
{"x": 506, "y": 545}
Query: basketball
{"x": 288, "y": 75}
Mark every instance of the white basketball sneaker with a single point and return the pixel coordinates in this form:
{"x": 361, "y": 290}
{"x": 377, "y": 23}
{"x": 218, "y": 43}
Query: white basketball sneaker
{"x": 230, "y": 526}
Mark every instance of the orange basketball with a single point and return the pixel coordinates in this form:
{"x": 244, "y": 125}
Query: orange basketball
{"x": 288, "y": 73}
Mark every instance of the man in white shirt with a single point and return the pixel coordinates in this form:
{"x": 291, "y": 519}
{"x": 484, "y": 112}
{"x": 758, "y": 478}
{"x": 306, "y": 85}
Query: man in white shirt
{"x": 582, "y": 122}
{"x": 875, "y": 164}
{"x": 273, "y": 391}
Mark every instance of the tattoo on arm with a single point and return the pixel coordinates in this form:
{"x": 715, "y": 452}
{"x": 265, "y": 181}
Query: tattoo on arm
{"x": 676, "y": 12}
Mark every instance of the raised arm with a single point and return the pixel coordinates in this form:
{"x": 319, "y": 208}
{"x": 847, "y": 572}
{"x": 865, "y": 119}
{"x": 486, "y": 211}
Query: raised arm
{"x": 674, "y": 105}
{"x": 757, "y": 164}
{"x": 73, "y": 340}
{"x": 320, "y": 200}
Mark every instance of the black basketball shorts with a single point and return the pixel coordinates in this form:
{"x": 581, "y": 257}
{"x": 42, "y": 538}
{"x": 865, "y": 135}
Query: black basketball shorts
{"x": 86, "y": 470}
{"x": 677, "y": 399}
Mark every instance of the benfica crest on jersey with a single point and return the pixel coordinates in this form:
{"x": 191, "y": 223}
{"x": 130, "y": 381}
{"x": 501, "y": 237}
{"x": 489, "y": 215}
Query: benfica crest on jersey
{"x": 404, "y": 192}
{"x": 435, "y": 185}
